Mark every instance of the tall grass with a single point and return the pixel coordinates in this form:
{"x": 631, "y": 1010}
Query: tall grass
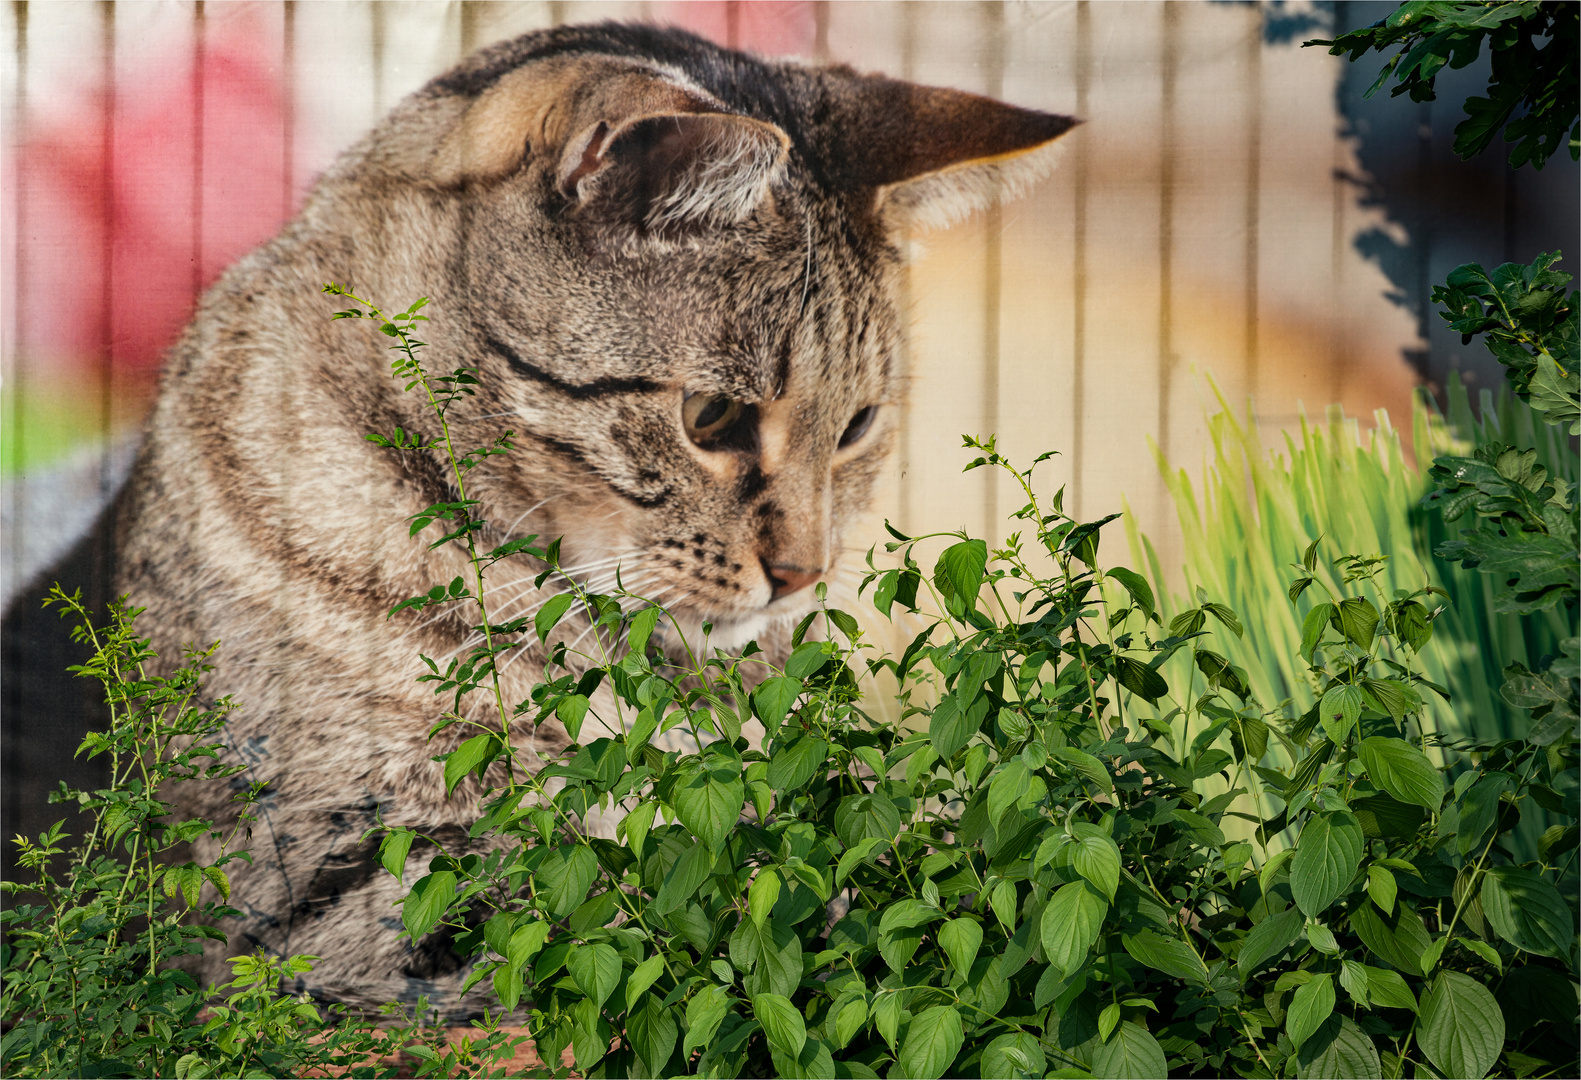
{"x": 1257, "y": 511}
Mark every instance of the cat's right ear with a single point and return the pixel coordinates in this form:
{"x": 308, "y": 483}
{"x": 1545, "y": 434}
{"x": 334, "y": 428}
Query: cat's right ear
{"x": 930, "y": 156}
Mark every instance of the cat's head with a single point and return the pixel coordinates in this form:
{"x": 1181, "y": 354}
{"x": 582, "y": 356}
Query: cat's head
{"x": 674, "y": 266}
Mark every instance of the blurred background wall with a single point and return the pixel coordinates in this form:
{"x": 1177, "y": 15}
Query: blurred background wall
{"x": 1232, "y": 208}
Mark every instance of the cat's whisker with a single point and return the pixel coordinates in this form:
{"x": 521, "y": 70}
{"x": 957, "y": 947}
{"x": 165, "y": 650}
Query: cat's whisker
{"x": 511, "y": 530}
{"x": 806, "y": 278}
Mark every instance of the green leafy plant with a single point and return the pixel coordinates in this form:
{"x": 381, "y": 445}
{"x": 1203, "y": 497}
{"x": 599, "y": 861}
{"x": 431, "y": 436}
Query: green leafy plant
{"x": 1540, "y": 80}
{"x": 1056, "y": 861}
{"x": 93, "y": 982}
{"x": 1530, "y": 325}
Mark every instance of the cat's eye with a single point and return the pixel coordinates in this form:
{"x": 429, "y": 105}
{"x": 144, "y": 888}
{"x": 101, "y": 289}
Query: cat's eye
{"x": 858, "y": 425}
{"x": 710, "y": 418}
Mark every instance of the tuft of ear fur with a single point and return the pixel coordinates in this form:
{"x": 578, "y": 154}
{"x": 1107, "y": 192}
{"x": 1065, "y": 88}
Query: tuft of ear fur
{"x": 625, "y": 139}
{"x": 932, "y": 155}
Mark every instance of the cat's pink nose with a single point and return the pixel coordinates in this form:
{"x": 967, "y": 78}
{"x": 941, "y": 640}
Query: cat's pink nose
{"x": 785, "y": 580}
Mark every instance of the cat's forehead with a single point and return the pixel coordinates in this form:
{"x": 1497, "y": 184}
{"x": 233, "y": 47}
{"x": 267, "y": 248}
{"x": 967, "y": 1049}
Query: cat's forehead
{"x": 756, "y": 320}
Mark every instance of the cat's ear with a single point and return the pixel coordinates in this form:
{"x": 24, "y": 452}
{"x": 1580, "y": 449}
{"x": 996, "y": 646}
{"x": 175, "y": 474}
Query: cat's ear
{"x": 932, "y": 156}
{"x": 621, "y": 140}
{"x": 674, "y": 168}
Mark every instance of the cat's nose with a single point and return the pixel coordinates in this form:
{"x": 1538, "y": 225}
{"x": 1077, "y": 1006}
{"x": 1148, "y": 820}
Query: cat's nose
{"x": 785, "y": 580}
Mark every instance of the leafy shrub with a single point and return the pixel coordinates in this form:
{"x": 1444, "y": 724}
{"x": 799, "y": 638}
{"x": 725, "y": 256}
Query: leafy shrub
{"x": 1025, "y": 875}
{"x": 1357, "y": 493}
{"x": 1540, "y": 81}
{"x": 93, "y": 985}
{"x": 1530, "y": 326}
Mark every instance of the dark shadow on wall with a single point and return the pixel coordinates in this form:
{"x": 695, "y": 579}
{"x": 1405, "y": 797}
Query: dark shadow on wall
{"x": 1451, "y": 211}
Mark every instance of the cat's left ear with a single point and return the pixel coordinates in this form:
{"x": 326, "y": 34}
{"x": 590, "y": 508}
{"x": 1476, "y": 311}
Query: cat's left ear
{"x": 620, "y": 141}
{"x": 931, "y": 156}
{"x": 673, "y": 168}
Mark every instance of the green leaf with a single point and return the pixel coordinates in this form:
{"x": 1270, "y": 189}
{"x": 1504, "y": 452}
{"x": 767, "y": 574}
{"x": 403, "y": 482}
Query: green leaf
{"x": 1478, "y": 808}
{"x": 426, "y": 903}
{"x": 525, "y": 943}
{"x": 563, "y": 878}
{"x": 906, "y": 913}
{"x": 652, "y": 1032}
{"x": 1309, "y": 1007}
{"x": 1137, "y": 586}
{"x": 1070, "y": 924}
{"x": 1358, "y": 620}
{"x": 1267, "y": 939}
{"x": 551, "y": 613}
{"x": 571, "y": 711}
{"x": 1526, "y": 910}
{"x": 1338, "y": 1050}
{"x": 886, "y": 1017}
{"x": 1108, "y": 1019}
{"x": 898, "y": 946}
{"x": 708, "y": 802}
{"x": 761, "y": 896}
{"x": 1403, "y": 771}
{"x": 472, "y": 755}
{"x": 1385, "y": 987}
{"x": 1341, "y": 711}
{"x": 1130, "y": 1054}
{"x": 933, "y": 1040}
{"x": 394, "y": 848}
{"x": 1384, "y": 815}
{"x": 636, "y": 824}
{"x": 855, "y": 856}
{"x": 1140, "y": 679}
{"x": 1312, "y": 628}
{"x": 638, "y": 981}
{"x": 1230, "y": 620}
{"x": 770, "y": 956}
{"x": 959, "y": 571}
{"x": 860, "y": 817}
{"x": 1395, "y": 698}
{"x": 960, "y": 939}
{"x": 1167, "y": 954}
{"x": 596, "y": 969}
{"x": 685, "y": 876}
{"x": 1202, "y": 830}
{"x": 703, "y": 1014}
{"x": 1004, "y": 790}
{"x": 792, "y": 766}
{"x": 1084, "y": 764}
{"x": 1327, "y": 857}
{"x": 807, "y": 658}
{"x": 1381, "y": 887}
{"x": 642, "y": 624}
{"x": 1399, "y": 938}
{"x": 1462, "y": 1027}
{"x": 1097, "y": 858}
{"x": 849, "y": 1013}
{"x": 782, "y": 1023}
{"x": 1484, "y": 950}
{"x": 950, "y": 728}
{"x": 998, "y": 1065}
{"x": 1353, "y": 977}
{"x": 773, "y": 699}
{"x": 216, "y": 877}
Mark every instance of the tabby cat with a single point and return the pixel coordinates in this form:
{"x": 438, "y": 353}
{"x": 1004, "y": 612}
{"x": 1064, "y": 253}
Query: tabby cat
{"x": 673, "y": 266}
